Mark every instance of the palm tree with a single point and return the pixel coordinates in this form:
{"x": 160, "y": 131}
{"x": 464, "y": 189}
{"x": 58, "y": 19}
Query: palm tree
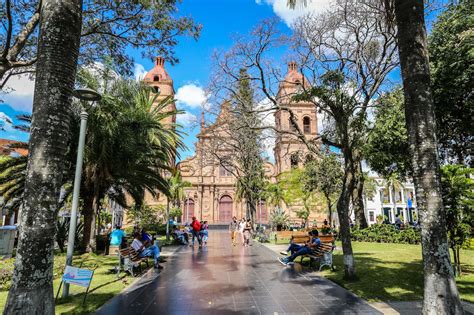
{"x": 128, "y": 148}
{"x": 58, "y": 48}
{"x": 440, "y": 292}
{"x": 393, "y": 184}
{"x": 274, "y": 195}
{"x": 176, "y": 187}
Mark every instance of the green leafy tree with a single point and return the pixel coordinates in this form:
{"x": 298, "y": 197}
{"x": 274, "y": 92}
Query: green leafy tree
{"x": 108, "y": 27}
{"x": 274, "y": 194}
{"x": 176, "y": 195}
{"x": 128, "y": 147}
{"x": 458, "y": 198}
{"x": 246, "y": 138}
{"x": 296, "y": 193}
{"x": 387, "y": 150}
{"x": 451, "y": 62}
{"x": 325, "y": 176}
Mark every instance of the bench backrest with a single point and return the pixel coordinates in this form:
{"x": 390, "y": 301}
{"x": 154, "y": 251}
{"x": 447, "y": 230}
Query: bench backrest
{"x": 130, "y": 253}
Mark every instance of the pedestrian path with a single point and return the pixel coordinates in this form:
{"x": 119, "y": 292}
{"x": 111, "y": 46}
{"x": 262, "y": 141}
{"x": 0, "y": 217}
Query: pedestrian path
{"x": 221, "y": 279}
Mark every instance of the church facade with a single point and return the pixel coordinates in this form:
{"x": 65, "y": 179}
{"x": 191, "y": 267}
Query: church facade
{"x": 212, "y": 195}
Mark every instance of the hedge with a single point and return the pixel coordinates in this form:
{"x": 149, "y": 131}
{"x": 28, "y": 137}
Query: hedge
{"x": 385, "y": 233}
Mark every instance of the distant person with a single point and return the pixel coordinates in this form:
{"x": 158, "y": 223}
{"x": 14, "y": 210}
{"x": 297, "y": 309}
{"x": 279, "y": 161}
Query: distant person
{"x": 196, "y": 229}
{"x": 233, "y": 229}
{"x": 204, "y": 233}
{"x": 303, "y": 250}
{"x": 116, "y": 237}
{"x": 398, "y": 222}
{"x": 241, "y": 230}
{"x": 180, "y": 235}
{"x": 247, "y": 232}
{"x": 151, "y": 251}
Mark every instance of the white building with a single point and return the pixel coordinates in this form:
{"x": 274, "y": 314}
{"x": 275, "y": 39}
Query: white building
{"x": 387, "y": 204}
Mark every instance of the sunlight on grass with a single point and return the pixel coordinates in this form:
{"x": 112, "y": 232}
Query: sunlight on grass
{"x": 394, "y": 272}
{"x": 103, "y": 287}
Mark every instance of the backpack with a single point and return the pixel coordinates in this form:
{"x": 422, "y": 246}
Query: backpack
{"x": 196, "y": 226}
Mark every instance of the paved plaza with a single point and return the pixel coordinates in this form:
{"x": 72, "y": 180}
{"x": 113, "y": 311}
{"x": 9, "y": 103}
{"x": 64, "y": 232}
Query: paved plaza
{"x": 221, "y": 279}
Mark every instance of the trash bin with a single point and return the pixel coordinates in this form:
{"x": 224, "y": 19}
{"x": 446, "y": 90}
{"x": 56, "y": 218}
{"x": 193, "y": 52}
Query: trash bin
{"x": 7, "y": 240}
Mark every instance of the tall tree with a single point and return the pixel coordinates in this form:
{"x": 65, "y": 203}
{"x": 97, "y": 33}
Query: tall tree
{"x": 440, "y": 292}
{"x": 325, "y": 175}
{"x": 244, "y": 126}
{"x": 58, "y": 48}
{"x": 128, "y": 148}
{"x": 109, "y": 27}
{"x": 387, "y": 150}
{"x": 452, "y": 65}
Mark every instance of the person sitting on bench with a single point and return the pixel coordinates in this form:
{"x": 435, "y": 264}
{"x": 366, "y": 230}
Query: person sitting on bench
{"x": 180, "y": 235}
{"x": 294, "y": 247}
{"x": 303, "y": 250}
{"x": 151, "y": 251}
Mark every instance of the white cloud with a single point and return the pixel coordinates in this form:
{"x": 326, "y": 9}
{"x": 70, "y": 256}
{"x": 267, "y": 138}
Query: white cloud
{"x": 5, "y": 122}
{"x": 19, "y": 92}
{"x": 191, "y": 95}
{"x": 139, "y": 72}
{"x": 186, "y": 119}
{"x": 280, "y": 7}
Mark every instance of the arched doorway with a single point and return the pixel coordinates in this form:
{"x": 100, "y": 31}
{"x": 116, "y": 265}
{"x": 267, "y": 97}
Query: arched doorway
{"x": 188, "y": 212}
{"x": 225, "y": 209}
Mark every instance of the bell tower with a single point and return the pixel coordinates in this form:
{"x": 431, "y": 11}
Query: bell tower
{"x": 162, "y": 85}
{"x": 290, "y": 152}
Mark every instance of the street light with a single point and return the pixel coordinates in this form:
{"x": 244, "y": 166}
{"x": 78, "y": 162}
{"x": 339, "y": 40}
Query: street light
{"x": 86, "y": 95}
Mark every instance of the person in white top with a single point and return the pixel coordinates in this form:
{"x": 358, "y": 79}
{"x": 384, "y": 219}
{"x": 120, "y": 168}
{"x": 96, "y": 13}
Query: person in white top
{"x": 241, "y": 230}
{"x": 151, "y": 251}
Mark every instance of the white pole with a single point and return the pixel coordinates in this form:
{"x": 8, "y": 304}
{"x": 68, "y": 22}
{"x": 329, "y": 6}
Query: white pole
{"x": 75, "y": 196}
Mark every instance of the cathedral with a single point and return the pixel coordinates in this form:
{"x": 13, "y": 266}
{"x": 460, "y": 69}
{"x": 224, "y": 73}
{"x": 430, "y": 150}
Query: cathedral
{"x": 212, "y": 196}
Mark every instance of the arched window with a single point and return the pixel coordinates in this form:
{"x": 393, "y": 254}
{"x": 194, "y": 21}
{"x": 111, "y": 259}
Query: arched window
{"x": 156, "y": 78}
{"x": 294, "y": 160}
{"x": 225, "y": 209}
{"x": 309, "y": 158}
{"x": 306, "y": 125}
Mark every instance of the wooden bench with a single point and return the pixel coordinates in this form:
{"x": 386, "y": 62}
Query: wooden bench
{"x": 288, "y": 235}
{"x": 323, "y": 253}
{"x": 129, "y": 259}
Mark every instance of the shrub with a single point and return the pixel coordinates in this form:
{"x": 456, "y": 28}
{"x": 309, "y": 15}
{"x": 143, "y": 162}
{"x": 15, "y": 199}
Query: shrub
{"x": 6, "y": 273}
{"x": 386, "y": 233}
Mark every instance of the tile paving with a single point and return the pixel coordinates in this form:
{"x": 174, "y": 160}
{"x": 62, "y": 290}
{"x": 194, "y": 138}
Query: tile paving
{"x": 221, "y": 279}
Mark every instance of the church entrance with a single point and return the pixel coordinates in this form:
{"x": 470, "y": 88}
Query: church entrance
{"x": 188, "y": 210}
{"x": 225, "y": 209}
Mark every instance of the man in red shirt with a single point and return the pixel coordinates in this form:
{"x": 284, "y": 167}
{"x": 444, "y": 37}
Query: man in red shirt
{"x": 196, "y": 228}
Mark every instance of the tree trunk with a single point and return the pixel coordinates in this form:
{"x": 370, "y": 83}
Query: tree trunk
{"x": 440, "y": 292}
{"x": 167, "y": 219}
{"x": 92, "y": 245}
{"x": 343, "y": 214}
{"x": 358, "y": 197}
{"x": 328, "y": 202}
{"x": 58, "y": 48}
{"x": 88, "y": 213}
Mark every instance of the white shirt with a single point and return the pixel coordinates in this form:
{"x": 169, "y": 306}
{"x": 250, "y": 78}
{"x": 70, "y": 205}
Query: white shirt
{"x": 241, "y": 226}
{"x": 136, "y": 245}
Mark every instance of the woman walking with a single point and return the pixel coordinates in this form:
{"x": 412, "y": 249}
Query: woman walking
{"x": 247, "y": 232}
{"x": 241, "y": 230}
{"x": 204, "y": 232}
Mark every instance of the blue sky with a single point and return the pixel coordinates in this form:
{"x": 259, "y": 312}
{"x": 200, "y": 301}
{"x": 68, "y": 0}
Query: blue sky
{"x": 221, "y": 20}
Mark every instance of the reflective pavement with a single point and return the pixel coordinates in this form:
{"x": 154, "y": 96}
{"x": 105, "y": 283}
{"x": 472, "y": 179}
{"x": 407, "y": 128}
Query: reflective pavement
{"x": 221, "y": 279}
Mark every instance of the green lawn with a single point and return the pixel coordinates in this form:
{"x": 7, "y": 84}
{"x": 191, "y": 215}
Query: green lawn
{"x": 104, "y": 284}
{"x": 394, "y": 272}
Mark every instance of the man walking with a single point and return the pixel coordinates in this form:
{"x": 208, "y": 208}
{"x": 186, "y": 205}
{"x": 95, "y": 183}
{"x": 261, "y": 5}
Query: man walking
{"x": 233, "y": 229}
{"x": 196, "y": 229}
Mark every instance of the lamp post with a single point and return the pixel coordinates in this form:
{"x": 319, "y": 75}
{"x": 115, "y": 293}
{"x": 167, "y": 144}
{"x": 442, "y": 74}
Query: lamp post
{"x": 86, "y": 95}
